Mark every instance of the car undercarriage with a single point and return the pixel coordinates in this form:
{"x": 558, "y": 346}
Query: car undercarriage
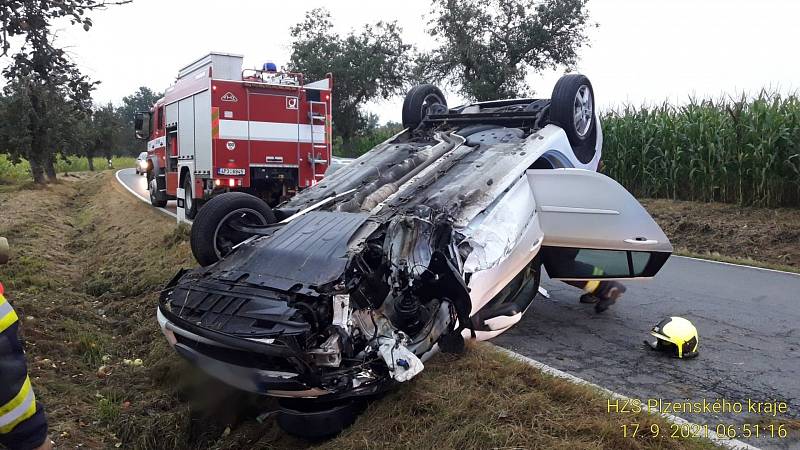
{"x": 430, "y": 238}
{"x": 367, "y": 285}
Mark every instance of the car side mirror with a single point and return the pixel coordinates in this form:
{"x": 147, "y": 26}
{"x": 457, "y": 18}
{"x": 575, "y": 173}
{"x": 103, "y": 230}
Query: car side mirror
{"x": 141, "y": 125}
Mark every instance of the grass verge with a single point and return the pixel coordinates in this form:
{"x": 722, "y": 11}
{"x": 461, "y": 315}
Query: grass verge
{"x": 17, "y": 176}
{"x": 108, "y": 378}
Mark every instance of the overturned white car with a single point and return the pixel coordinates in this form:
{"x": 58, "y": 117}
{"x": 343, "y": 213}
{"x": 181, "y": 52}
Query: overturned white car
{"x": 435, "y": 236}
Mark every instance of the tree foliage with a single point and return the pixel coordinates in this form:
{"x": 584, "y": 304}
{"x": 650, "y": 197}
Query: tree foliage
{"x": 141, "y": 100}
{"x": 25, "y": 17}
{"x": 371, "y": 64}
{"x": 107, "y": 131}
{"x": 37, "y": 124}
{"x": 47, "y": 93}
{"x": 487, "y": 47}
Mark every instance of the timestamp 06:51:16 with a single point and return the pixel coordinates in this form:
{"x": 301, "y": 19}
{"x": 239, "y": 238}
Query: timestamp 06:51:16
{"x": 693, "y": 430}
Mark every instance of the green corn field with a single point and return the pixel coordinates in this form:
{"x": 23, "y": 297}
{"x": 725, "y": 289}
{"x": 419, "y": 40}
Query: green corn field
{"x": 744, "y": 150}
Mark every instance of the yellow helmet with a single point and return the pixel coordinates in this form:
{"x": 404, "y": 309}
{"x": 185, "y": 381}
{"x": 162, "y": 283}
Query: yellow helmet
{"x": 677, "y": 336}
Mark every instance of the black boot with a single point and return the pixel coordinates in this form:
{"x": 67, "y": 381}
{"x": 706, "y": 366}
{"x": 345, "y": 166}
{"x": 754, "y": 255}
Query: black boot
{"x": 608, "y": 292}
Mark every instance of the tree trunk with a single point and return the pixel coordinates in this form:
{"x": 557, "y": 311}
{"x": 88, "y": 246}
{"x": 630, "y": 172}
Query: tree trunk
{"x": 37, "y": 172}
{"x": 347, "y": 144}
{"x": 50, "y": 168}
{"x": 40, "y": 159}
{"x": 91, "y": 163}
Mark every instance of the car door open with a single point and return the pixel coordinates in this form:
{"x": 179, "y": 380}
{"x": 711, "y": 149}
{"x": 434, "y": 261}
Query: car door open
{"x": 593, "y": 228}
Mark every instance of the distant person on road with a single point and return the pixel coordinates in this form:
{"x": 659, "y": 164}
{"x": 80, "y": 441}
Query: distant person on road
{"x": 23, "y": 425}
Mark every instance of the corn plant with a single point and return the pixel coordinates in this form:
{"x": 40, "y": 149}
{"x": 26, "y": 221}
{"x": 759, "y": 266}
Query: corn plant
{"x": 737, "y": 150}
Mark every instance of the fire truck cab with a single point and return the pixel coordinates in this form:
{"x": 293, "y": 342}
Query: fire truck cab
{"x": 219, "y": 128}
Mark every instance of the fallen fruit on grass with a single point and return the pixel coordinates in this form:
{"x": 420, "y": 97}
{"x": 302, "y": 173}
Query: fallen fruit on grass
{"x": 104, "y": 371}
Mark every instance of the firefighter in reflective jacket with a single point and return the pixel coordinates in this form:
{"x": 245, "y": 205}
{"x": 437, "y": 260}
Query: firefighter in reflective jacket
{"x": 22, "y": 422}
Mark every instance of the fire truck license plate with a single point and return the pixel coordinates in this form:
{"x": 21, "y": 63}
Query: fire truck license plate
{"x": 229, "y": 172}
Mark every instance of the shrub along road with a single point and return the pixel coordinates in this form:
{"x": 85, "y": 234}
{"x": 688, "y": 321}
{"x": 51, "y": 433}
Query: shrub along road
{"x": 749, "y": 341}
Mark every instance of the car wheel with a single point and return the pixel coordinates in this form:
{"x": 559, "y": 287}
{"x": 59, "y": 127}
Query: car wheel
{"x": 189, "y": 202}
{"x": 213, "y": 234}
{"x": 419, "y": 101}
{"x": 157, "y": 199}
{"x": 572, "y": 109}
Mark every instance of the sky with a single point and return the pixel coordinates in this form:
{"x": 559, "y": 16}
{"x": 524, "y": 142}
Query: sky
{"x": 642, "y": 51}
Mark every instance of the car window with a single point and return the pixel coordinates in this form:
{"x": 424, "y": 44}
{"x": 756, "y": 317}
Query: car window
{"x": 587, "y": 263}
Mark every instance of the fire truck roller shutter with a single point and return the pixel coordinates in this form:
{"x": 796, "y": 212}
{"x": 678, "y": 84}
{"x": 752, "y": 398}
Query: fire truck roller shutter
{"x": 172, "y": 114}
{"x": 186, "y": 128}
{"x": 202, "y": 132}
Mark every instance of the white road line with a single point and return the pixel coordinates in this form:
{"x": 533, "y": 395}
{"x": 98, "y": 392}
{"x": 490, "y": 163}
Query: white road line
{"x": 736, "y": 265}
{"x": 140, "y": 197}
{"x": 712, "y": 435}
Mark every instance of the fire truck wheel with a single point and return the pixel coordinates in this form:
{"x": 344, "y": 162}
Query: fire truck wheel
{"x": 213, "y": 231}
{"x": 421, "y": 100}
{"x": 189, "y": 202}
{"x": 157, "y": 198}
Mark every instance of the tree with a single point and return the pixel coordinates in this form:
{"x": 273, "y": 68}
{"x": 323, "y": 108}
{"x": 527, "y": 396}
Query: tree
{"x": 28, "y": 106}
{"x": 141, "y": 100}
{"x": 487, "y": 47}
{"x": 43, "y": 81}
{"x": 107, "y": 128}
{"x": 85, "y": 133}
{"x": 374, "y": 63}
{"x": 27, "y": 17}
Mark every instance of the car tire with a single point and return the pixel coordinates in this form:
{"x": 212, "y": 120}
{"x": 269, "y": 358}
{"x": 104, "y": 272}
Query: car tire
{"x": 572, "y": 108}
{"x": 418, "y": 102}
{"x": 212, "y": 238}
{"x": 189, "y": 202}
{"x": 157, "y": 198}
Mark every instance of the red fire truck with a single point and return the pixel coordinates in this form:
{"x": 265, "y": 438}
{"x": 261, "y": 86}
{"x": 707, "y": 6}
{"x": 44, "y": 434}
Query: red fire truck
{"x": 220, "y": 128}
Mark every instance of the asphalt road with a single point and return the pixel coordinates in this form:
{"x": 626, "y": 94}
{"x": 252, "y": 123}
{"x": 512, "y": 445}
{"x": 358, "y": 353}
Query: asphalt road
{"x": 749, "y": 324}
{"x": 138, "y": 183}
{"x": 748, "y": 320}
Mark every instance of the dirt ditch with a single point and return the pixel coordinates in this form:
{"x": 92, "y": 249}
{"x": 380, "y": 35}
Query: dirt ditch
{"x": 759, "y": 236}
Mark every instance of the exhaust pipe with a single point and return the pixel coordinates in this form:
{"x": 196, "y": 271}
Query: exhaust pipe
{"x": 4, "y": 252}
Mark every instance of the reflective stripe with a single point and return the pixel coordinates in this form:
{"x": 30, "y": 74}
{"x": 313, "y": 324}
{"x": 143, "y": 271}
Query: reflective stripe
{"x": 7, "y": 314}
{"x": 215, "y": 122}
{"x": 20, "y": 408}
{"x": 591, "y": 286}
